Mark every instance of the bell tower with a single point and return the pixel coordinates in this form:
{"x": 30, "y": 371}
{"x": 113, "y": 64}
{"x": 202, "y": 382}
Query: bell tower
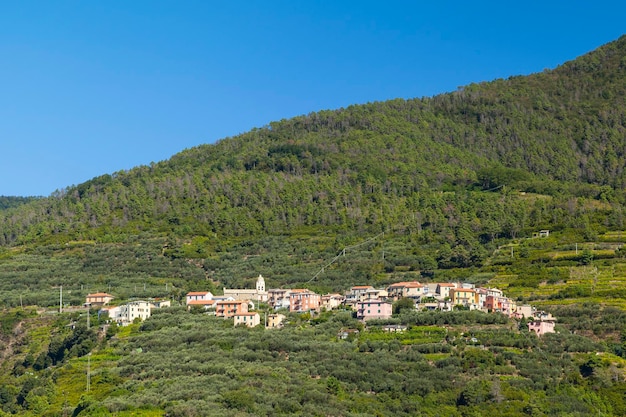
{"x": 260, "y": 284}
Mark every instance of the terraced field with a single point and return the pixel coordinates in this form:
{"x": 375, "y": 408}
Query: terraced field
{"x": 545, "y": 272}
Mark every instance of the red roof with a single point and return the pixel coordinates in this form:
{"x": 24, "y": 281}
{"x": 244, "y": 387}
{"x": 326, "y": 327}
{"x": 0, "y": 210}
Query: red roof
{"x": 198, "y": 293}
{"x": 201, "y": 302}
{"x": 233, "y": 302}
{"x": 100, "y": 294}
{"x": 411, "y": 284}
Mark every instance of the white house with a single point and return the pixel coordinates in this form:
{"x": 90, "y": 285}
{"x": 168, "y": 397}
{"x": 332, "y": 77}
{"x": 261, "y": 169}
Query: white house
{"x": 127, "y": 313}
{"x": 198, "y": 296}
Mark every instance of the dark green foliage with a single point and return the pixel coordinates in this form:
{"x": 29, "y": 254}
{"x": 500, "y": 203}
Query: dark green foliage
{"x": 9, "y": 202}
{"x": 78, "y": 343}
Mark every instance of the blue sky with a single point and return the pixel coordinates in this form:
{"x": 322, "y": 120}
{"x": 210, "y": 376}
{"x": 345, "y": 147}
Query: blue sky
{"x": 95, "y": 87}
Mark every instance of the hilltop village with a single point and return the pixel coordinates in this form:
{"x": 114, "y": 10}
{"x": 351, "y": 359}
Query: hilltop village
{"x": 368, "y": 302}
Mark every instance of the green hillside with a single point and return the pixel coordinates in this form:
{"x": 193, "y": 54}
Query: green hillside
{"x": 452, "y": 187}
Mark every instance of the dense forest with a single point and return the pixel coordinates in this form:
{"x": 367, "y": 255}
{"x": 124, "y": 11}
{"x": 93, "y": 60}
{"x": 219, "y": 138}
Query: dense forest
{"x": 444, "y": 188}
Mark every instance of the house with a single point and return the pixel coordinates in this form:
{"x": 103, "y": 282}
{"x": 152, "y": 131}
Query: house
{"x": 493, "y": 303}
{"x": 136, "y": 310}
{"x": 412, "y": 289}
{"x": 464, "y": 296}
{"x": 373, "y": 309}
{"x": 160, "y": 303}
{"x": 542, "y": 233}
{"x": 114, "y": 313}
{"x": 482, "y": 297}
{"x": 430, "y": 289}
{"x": 275, "y": 321}
{"x": 247, "y": 319}
{"x": 257, "y": 294}
{"x": 495, "y": 292}
{"x": 436, "y": 305}
{"x": 198, "y": 296}
{"x": 525, "y": 310}
{"x": 206, "y": 304}
{"x": 229, "y": 308}
{"x": 345, "y": 334}
{"x": 443, "y": 290}
{"x": 508, "y": 306}
{"x": 394, "y": 328}
{"x": 357, "y": 292}
{"x": 278, "y": 298}
{"x": 98, "y": 299}
{"x": 542, "y": 324}
{"x": 331, "y": 301}
{"x": 375, "y": 294}
{"x": 125, "y": 314}
{"x": 301, "y": 300}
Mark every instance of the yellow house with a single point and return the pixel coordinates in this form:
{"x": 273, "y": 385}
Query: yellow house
{"x": 464, "y": 296}
{"x": 247, "y": 319}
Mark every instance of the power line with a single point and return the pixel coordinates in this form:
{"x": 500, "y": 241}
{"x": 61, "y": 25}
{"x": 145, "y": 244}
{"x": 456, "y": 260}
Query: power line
{"x": 343, "y": 253}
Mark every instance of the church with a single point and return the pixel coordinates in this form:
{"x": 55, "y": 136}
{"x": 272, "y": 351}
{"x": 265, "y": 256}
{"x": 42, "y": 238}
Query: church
{"x": 257, "y": 294}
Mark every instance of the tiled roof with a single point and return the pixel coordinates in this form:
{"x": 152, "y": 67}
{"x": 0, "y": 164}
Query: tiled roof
{"x": 201, "y": 302}
{"x": 198, "y": 293}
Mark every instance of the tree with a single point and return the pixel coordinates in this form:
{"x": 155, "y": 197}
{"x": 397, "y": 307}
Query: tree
{"x": 403, "y": 304}
{"x": 587, "y": 257}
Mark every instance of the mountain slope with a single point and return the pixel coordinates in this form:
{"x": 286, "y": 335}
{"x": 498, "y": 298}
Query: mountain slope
{"x": 419, "y": 169}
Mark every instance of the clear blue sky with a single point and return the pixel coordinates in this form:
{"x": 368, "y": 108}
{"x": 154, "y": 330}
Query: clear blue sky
{"x": 95, "y": 87}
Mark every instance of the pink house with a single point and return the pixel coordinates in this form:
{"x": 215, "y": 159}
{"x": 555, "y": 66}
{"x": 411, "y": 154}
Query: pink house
{"x": 373, "y": 309}
{"x": 543, "y": 323}
{"x": 541, "y": 327}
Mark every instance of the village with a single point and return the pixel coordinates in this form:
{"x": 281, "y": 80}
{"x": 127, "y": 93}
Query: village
{"x": 368, "y": 302}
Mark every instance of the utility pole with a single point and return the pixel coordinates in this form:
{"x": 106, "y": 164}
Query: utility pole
{"x": 61, "y": 299}
{"x": 89, "y": 372}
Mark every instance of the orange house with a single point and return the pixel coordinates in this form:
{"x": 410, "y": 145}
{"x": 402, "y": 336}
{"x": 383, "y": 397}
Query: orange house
{"x": 228, "y": 309}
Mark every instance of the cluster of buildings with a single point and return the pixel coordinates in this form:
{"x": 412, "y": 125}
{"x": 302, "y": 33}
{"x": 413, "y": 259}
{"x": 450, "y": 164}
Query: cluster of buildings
{"x": 123, "y": 314}
{"x": 372, "y": 303}
{"x": 368, "y": 302}
{"x": 238, "y": 303}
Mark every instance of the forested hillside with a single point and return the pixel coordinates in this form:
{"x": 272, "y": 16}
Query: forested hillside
{"x": 377, "y": 166}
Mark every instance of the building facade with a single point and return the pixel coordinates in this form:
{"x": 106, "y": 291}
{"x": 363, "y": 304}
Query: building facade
{"x": 247, "y": 319}
{"x": 373, "y": 309}
{"x": 229, "y": 308}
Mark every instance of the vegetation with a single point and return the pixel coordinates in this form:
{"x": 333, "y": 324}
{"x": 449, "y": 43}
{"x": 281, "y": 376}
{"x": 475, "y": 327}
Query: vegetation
{"x": 452, "y": 187}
